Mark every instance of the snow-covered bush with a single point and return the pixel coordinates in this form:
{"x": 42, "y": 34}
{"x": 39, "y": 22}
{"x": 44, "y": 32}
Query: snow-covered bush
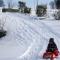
{"x": 10, "y": 10}
{"x": 41, "y": 10}
{"x": 57, "y": 15}
{"x": 27, "y": 10}
{"x": 2, "y": 31}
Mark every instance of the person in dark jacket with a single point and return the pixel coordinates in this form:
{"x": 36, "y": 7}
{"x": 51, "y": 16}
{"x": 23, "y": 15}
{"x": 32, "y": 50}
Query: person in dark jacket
{"x": 52, "y": 50}
{"x": 51, "y": 46}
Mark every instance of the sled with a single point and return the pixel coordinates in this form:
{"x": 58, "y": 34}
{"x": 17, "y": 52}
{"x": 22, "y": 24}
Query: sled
{"x": 51, "y": 55}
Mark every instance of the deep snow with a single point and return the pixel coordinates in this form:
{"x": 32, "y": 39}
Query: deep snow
{"x": 27, "y": 36}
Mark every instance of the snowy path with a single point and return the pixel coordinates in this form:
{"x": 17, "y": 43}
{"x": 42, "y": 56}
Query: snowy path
{"x": 27, "y": 38}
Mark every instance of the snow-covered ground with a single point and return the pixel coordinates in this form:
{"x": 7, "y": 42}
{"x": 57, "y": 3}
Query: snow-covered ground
{"x": 27, "y": 37}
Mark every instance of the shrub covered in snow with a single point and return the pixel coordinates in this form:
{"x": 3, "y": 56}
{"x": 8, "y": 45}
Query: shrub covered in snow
{"x": 27, "y": 10}
{"x": 2, "y": 33}
{"x": 9, "y": 10}
{"x": 57, "y": 15}
{"x": 2, "y": 24}
{"x": 41, "y": 10}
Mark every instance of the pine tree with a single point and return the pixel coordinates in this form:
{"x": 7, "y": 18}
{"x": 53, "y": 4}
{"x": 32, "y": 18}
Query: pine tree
{"x": 57, "y": 3}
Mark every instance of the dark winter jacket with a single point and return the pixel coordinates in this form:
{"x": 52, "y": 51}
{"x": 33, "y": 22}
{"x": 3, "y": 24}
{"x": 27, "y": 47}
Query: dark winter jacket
{"x": 51, "y": 47}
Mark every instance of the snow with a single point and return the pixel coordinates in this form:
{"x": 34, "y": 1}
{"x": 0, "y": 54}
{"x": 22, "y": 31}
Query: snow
{"x": 27, "y": 36}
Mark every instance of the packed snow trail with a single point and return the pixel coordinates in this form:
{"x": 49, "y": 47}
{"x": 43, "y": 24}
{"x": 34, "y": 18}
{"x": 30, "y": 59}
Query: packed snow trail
{"x": 50, "y": 31}
{"x": 26, "y": 38}
{"x": 9, "y": 43}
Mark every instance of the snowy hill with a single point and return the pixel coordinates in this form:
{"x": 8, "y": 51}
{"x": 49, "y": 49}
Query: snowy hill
{"x": 27, "y": 38}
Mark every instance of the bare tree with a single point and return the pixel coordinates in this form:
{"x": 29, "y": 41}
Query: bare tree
{"x": 10, "y": 4}
{"x": 52, "y": 4}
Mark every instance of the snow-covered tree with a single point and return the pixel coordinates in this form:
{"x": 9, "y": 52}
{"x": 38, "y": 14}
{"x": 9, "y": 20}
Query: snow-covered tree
{"x": 21, "y": 6}
{"x": 57, "y": 3}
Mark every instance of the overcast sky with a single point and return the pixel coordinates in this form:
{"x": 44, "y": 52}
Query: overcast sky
{"x": 30, "y": 3}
